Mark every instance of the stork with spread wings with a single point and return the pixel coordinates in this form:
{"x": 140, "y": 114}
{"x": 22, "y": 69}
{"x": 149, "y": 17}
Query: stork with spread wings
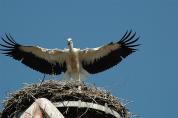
{"x": 75, "y": 63}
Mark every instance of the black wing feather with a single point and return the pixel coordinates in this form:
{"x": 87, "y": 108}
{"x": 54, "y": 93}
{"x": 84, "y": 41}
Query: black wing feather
{"x": 39, "y": 64}
{"x": 115, "y": 56}
{"x": 103, "y": 63}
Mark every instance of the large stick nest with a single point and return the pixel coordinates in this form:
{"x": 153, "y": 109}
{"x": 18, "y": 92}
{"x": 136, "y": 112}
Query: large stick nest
{"x": 58, "y": 91}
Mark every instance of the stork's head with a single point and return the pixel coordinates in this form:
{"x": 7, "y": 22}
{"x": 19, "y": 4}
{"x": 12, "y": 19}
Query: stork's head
{"x": 70, "y": 43}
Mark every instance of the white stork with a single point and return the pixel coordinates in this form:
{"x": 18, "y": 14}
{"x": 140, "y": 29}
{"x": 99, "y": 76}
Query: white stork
{"x": 75, "y": 63}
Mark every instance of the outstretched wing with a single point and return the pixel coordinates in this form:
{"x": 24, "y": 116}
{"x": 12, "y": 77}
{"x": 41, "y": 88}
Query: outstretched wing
{"x": 40, "y": 59}
{"x": 96, "y": 60}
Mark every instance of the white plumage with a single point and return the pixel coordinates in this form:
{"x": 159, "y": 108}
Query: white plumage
{"x": 75, "y": 63}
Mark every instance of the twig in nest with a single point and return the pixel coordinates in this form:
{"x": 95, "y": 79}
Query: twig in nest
{"x": 42, "y": 79}
{"x": 84, "y": 113}
{"x": 30, "y": 94}
{"x": 66, "y": 111}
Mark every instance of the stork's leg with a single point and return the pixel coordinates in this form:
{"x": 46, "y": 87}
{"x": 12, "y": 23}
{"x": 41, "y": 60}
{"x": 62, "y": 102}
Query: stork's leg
{"x": 79, "y": 77}
{"x": 78, "y": 71}
{"x": 79, "y": 87}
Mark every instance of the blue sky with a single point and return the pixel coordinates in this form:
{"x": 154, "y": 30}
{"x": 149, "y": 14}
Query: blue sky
{"x": 148, "y": 77}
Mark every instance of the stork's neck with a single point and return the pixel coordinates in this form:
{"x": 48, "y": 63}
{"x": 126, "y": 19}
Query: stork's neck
{"x": 71, "y": 48}
{"x": 70, "y": 45}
